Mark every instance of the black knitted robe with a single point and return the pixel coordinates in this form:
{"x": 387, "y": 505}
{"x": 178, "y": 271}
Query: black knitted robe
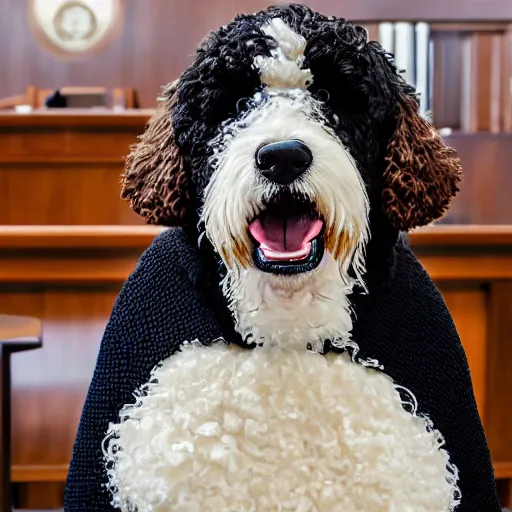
{"x": 172, "y": 296}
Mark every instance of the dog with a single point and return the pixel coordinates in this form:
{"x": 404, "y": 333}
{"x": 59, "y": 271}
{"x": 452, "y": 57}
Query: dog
{"x": 293, "y": 150}
{"x": 286, "y": 131}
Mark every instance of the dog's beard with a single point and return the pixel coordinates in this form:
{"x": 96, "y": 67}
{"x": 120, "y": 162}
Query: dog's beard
{"x": 237, "y": 194}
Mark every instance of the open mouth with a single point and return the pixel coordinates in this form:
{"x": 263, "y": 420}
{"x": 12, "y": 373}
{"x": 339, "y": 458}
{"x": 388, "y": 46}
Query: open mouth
{"x": 288, "y": 236}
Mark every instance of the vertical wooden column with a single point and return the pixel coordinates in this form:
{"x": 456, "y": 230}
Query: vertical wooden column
{"x": 506, "y": 87}
{"x": 482, "y": 82}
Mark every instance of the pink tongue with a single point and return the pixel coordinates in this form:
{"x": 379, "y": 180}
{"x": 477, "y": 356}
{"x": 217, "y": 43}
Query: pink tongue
{"x": 285, "y": 237}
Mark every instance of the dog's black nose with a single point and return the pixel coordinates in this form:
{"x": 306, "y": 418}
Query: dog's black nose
{"x": 283, "y": 162}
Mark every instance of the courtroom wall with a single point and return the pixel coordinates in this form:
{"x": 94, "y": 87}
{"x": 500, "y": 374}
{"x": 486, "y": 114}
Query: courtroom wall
{"x": 158, "y": 37}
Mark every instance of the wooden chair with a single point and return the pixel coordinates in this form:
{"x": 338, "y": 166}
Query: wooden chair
{"x": 17, "y": 334}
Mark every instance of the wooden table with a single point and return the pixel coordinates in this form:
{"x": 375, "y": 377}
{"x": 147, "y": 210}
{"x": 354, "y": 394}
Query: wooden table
{"x": 17, "y": 334}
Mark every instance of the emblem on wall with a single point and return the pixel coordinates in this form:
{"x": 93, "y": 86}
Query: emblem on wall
{"x": 76, "y": 27}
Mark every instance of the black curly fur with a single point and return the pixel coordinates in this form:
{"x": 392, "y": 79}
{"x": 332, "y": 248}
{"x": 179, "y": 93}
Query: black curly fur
{"x": 355, "y": 79}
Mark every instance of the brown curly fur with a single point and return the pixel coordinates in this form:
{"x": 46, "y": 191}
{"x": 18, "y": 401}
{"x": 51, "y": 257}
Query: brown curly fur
{"x": 423, "y": 173}
{"x": 154, "y": 180}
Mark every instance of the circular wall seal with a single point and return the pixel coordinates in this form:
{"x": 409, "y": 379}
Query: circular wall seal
{"x": 73, "y": 28}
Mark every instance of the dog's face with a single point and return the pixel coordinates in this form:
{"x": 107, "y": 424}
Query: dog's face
{"x": 282, "y": 135}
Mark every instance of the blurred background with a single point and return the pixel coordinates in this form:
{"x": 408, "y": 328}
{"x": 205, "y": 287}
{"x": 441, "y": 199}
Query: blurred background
{"x": 78, "y": 80}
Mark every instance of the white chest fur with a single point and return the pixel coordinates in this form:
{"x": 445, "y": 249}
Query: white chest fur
{"x": 271, "y": 429}
{"x": 299, "y": 310}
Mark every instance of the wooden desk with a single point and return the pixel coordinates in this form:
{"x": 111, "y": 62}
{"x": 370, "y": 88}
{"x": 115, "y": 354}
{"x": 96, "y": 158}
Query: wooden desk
{"x": 64, "y": 166}
{"x": 17, "y": 334}
{"x": 69, "y": 277}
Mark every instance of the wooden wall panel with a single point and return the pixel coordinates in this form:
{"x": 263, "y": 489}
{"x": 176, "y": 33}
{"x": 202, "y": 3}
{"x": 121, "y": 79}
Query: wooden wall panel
{"x": 468, "y": 307}
{"x": 70, "y": 283}
{"x": 159, "y": 37}
{"x": 154, "y": 48}
{"x": 463, "y": 10}
{"x": 499, "y": 404}
{"x": 58, "y": 145}
{"x": 505, "y": 493}
{"x": 485, "y": 191}
{"x": 71, "y": 193}
{"x": 39, "y": 496}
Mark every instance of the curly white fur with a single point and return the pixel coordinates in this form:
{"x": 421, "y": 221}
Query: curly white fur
{"x": 223, "y": 429}
{"x": 296, "y": 308}
{"x": 283, "y": 69}
{"x": 237, "y": 191}
{"x": 293, "y": 310}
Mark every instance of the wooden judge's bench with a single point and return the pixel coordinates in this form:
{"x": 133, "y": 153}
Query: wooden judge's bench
{"x": 67, "y": 243}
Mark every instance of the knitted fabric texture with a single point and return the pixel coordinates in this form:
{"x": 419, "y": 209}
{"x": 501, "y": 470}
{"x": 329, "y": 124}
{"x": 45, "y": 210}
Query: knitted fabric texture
{"x": 170, "y": 298}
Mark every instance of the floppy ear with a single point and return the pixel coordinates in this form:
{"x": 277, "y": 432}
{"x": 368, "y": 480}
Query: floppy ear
{"x": 422, "y": 173}
{"x": 155, "y": 180}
